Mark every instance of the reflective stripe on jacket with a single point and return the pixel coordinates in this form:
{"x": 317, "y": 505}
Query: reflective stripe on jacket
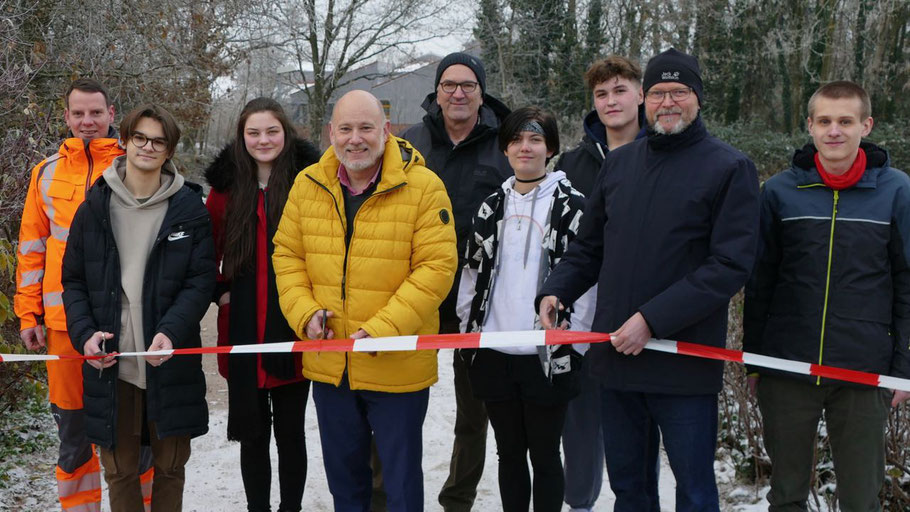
{"x": 832, "y": 281}
{"x": 57, "y": 187}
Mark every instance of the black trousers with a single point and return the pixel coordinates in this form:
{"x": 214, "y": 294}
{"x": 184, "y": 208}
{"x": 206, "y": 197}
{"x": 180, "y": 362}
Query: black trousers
{"x": 285, "y": 407}
{"x": 527, "y": 413}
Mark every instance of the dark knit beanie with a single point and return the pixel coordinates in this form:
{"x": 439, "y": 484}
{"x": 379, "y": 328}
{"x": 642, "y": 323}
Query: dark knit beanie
{"x": 674, "y": 66}
{"x": 466, "y": 60}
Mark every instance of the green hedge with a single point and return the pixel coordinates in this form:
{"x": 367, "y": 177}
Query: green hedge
{"x": 771, "y": 151}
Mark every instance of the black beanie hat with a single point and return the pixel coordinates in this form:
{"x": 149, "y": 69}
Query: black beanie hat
{"x": 674, "y": 66}
{"x": 466, "y": 60}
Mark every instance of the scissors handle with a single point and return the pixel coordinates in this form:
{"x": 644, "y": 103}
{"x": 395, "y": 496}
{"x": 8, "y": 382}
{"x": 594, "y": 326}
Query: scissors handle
{"x": 324, "y": 314}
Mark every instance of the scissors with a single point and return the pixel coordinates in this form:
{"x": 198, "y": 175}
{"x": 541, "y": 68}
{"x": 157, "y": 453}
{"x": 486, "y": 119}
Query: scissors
{"x": 324, "y": 314}
{"x": 101, "y": 352}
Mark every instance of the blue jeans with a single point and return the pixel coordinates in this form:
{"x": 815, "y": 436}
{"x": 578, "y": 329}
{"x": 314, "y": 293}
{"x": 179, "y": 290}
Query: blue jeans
{"x": 348, "y": 420}
{"x": 688, "y": 425}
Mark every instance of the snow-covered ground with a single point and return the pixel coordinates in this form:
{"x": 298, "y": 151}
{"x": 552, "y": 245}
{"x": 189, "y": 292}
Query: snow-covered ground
{"x": 213, "y": 472}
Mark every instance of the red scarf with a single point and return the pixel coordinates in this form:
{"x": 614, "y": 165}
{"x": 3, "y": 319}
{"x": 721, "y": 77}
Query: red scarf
{"x": 847, "y": 179}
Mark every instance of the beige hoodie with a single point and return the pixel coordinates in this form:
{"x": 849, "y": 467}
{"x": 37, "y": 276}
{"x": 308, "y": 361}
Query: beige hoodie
{"x": 135, "y": 224}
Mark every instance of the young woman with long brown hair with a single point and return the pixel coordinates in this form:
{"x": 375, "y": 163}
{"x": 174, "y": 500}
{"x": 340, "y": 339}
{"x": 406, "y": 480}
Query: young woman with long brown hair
{"x": 250, "y": 181}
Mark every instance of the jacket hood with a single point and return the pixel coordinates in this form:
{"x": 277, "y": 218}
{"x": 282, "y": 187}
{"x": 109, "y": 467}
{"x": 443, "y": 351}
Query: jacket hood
{"x": 804, "y": 157}
{"x": 398, "y": 158}
{"x": 220, "y": 173}
{"x": 596, "y": 131}
{"x": 171, "y": 182}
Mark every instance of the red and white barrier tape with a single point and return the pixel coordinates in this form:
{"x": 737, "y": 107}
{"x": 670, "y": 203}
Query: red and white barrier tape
{"x": 509, "y": 339}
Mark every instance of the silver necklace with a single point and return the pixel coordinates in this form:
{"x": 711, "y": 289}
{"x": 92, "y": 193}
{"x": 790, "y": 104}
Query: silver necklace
{"x": 519, "y": 213}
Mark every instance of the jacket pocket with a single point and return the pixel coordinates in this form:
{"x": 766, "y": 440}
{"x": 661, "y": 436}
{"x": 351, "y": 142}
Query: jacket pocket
{"x": 565, "y": 372}
{"x": 59, "y": 189}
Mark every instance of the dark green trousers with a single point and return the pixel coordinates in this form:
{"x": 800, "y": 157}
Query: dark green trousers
{"x": 855, "y": 418}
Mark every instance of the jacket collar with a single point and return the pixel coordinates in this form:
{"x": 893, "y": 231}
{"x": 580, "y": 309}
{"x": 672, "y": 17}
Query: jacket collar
{"x": 803, "y": 165}
{"x": 692, "y": 134}
{"x": 74, "y": 147}
{"x": 220, "y": 173}
{"x": 398, "y": 158}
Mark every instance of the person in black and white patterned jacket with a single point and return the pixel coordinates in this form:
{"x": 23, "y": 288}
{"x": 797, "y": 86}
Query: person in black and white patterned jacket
{"x": 519, "y": 234}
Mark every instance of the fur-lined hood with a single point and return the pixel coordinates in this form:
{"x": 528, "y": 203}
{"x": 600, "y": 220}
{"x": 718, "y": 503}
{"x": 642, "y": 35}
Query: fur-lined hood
{"x": 220, "y": 173}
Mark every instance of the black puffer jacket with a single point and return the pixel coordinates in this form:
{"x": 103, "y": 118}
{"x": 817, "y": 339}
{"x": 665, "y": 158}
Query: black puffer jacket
{"x": 471, "y": 171}
{"x": 177, "y": 288}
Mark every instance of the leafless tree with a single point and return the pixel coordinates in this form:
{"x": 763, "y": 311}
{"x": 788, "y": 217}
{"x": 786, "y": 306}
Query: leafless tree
{"x": 326, "y": 41}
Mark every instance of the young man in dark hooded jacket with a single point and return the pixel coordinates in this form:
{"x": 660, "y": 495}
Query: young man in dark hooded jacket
{"x": 617, "y": 119}
{"x": 669, "y": 236}
{"x": 138, "y": 273}
{"x": 458, "y": 137}
{"x": 831, "y": 286}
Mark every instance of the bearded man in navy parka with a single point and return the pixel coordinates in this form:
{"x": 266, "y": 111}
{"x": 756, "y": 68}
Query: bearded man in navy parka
{"x": 669, "y": 235}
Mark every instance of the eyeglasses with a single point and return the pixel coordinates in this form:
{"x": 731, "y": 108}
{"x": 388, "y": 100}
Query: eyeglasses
{"x": 676, "y": 95}
{"x": 139, "y": 140}
{"x": 466, "y": 87}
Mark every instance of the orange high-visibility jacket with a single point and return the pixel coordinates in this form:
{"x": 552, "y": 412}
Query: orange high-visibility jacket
{"x": 57, "y": 187}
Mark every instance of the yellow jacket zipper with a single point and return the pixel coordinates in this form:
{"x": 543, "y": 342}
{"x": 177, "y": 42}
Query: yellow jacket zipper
{"x": 821, "y": 344}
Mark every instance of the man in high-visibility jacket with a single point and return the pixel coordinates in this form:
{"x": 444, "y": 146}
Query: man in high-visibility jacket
{"x": 57, "y": 187}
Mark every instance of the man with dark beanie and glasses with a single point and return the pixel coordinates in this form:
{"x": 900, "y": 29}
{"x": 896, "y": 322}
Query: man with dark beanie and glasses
{"x": 458, "y": 137}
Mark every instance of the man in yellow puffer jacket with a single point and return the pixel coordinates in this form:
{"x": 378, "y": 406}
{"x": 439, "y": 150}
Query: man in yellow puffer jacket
{"x": 366, "y": 248}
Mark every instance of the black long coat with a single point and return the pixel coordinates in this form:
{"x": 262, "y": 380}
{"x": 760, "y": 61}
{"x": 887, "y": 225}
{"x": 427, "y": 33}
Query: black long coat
{"x": 242, "y": 371}
{"x": 669, "y": 231}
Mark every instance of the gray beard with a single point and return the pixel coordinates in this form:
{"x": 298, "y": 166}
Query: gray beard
{"x": 358, "y": 166}
{"x": 680, "y": 126}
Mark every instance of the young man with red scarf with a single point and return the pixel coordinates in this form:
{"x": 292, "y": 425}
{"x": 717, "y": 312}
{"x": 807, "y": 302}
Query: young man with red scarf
{"x": 831, "y": 286}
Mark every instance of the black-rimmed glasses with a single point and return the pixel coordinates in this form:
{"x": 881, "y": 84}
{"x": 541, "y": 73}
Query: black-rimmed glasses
{"x": 466, "y": 87}
{"x": 675, "y": 95}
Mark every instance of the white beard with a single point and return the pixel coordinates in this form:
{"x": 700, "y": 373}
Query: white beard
{"x": 680, "y": 126}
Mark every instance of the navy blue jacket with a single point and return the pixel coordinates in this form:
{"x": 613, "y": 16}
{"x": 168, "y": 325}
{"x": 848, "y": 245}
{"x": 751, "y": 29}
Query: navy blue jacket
{"x": 670, "y": 231}
{"x": 832, "y": 280}
{"x": 176, "y": 291}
